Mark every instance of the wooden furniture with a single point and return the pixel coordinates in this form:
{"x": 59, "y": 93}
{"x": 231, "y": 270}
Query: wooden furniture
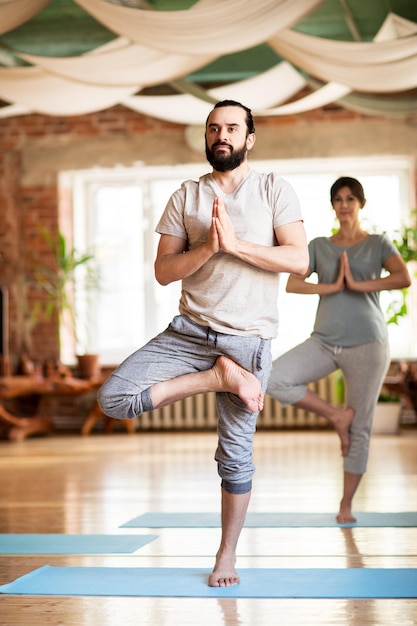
{"x": 404, "y": 383}
{"x": 22, "y": 427}
{"x": 18, "y": 386}
{"x": 96, "y": 415}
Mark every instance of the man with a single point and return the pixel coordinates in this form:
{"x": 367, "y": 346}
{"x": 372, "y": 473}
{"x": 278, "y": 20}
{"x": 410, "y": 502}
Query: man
{"x": 226, "y": 237}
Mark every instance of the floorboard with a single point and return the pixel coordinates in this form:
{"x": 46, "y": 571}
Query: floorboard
{"x": 93, "y": 485}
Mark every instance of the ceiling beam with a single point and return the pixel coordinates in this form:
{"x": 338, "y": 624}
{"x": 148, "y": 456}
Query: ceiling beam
{"x": 350, "y": 21}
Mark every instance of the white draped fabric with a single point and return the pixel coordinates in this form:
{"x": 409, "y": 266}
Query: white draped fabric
{"x": 13, "y": 13}
{"x": 206, "y": 28}
{"x": 378, "y": 66}
{"x": 154, "y": 47}
{"x": 266, "y": 89}
{"x": 174, "y": 105}
{"x": 371, "y": 105}
{"x": 125, "y": 63}
{"x": 12, "y": 110}
{"x": 52, "y": 95}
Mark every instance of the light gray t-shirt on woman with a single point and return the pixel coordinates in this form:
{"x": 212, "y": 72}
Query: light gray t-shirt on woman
{"x": 350, "y": 318}
{"x": 227, "y": 294}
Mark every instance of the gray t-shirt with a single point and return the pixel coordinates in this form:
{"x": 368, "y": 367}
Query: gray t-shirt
{"x": 350, "y": 318}
{"x": 227, "y": 294}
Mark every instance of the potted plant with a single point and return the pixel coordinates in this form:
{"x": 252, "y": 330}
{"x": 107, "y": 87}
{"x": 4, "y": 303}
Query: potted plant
{"x": 387, "y": 416}
{"x": 70, "y": 271}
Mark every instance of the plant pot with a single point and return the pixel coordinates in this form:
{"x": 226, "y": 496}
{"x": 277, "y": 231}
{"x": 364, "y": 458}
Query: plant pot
{"x": 88, "y": 365}
{"x": 387, "y": 418}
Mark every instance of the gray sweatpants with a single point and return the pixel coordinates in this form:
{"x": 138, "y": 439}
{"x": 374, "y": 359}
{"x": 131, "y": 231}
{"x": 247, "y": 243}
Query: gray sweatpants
{"x": 364, "y": 368}
{"x": 184, "y": 348}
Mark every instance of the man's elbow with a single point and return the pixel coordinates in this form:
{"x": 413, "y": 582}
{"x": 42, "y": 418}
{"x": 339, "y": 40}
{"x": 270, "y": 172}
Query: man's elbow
{"x": 160, "y": 275}
{"x": 301, "y": 264}
{"x": 161, "y": 279}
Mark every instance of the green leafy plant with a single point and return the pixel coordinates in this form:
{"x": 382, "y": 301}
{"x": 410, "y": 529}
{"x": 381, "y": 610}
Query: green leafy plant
{"x": 388, "y": 396}
{"x": 406, "y": 241}
{"x": 58, "y": 282}
{"x": 406, "y": 244}
{"x": 398, "y": 307}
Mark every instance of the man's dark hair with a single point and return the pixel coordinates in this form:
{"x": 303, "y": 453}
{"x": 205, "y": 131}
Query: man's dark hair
{"x": 250, "y": 124}
{"x": 353, "y": 184}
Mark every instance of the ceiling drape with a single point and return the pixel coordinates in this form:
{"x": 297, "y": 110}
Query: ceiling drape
{"x": 123, "y": 63}
{"x": 13, "y": 13}
{"x": 208, "y": 27}
{"x": 171, "y": 108}
{"x": 156, "y": 47}
{"x": 378, "y": 66}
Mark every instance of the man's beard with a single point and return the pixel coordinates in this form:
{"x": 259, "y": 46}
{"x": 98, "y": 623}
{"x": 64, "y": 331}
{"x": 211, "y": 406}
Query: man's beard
{"x": 223, "y": 161}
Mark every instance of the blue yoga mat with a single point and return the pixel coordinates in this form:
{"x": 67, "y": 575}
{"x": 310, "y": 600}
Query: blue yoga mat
{"x": 185, "y": 582}
{"x": 271, "y": 520}
{"x": 72, "y": 544}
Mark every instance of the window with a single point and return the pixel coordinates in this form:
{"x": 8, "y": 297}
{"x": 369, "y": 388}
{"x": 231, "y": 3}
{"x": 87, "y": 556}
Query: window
{"x": 115, "y": 212}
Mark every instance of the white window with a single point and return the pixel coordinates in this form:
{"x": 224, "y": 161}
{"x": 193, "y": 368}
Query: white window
{"x": 115, "y": 212}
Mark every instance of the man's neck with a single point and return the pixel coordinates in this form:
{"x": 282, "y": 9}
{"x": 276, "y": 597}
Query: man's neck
{"x": 231, "y": 179}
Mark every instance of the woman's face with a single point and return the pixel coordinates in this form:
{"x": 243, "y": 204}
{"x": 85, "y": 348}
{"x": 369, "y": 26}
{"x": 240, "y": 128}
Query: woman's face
{"x": 346, "y": 205}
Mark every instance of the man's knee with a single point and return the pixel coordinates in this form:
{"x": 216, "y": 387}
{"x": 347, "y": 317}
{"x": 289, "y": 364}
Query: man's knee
{"x": 111, "y": 405}
{"x": 119, "y": 403}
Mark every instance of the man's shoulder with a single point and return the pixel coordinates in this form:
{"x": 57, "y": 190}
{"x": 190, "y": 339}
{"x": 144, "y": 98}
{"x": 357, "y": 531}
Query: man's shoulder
{"x": 195, "y": 181}
{"x": 191, "y": 183}
{"x": 273, "y": 179}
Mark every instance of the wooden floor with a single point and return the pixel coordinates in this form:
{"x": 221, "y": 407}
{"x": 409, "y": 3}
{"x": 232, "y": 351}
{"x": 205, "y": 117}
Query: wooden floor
{"x": 71, "y": 484}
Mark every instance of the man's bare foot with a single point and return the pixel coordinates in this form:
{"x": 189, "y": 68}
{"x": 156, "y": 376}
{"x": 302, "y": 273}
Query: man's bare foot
{"x": 341, "y": 420}
{"x": 223, "y": 574}
{"x": 239, "y": 381}
{"x": 345, "y": 514}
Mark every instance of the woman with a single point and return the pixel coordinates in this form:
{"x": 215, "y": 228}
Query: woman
{"x": 349, "y": 333}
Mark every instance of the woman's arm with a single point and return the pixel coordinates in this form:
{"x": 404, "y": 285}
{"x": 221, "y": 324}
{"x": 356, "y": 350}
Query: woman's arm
{"x": 397, "y": 278}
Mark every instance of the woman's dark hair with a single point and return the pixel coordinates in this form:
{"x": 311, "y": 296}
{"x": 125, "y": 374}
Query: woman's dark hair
{"x": 354, "y": 186}
{"x": 250, "y": 124}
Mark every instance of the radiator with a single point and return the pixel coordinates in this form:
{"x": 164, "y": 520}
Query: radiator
{"x": 199, "y": 413}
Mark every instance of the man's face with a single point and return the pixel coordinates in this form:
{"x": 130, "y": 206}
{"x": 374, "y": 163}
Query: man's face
{"x": 226, "y": 139}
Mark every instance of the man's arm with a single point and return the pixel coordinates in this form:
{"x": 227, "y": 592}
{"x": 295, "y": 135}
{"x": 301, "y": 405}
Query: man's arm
{"x": 174, "y": 262}
{"x": 300, "y": 284}
{"x": 291, "y": 255}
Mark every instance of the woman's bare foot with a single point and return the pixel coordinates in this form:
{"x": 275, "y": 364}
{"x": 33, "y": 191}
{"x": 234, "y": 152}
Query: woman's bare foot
{"x": 345, "y": 514}
{"x": 235, "y": 379}
{"x": 341, "y": 420}
{"x": 224, "y": 573}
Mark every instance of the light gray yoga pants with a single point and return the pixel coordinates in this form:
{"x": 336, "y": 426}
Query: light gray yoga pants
{"x": 364, "y": 368}
{"x": 185, "y": 348}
